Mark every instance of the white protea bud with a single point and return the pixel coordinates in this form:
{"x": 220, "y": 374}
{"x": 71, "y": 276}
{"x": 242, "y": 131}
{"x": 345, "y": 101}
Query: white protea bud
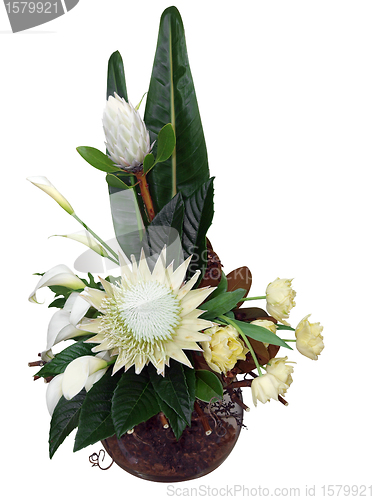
{"x": 128, "y": 140}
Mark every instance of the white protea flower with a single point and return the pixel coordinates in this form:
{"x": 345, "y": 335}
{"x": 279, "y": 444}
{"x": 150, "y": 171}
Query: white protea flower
{"x": 128, "y": 140}
{"x": 148, "y": 316}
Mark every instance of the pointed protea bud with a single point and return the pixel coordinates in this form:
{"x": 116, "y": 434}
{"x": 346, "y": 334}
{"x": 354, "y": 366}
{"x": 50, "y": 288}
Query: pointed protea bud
{"x": 128, "y": 140}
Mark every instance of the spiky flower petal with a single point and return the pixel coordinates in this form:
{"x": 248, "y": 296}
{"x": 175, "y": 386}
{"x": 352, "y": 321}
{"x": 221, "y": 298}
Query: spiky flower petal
{"x": 128, "y": 140}
{"x": 148, "y": 316}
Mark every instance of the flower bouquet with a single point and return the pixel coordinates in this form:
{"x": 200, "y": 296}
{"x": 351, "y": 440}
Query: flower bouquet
{"x": 160, "y": 347}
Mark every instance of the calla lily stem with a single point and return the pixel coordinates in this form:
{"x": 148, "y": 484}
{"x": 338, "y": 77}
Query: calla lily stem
{"x": 254, "y": 298}
{"x": 116, "y": 261}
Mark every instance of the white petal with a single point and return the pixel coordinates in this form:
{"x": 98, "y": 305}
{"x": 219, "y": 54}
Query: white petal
{"x": 86, "y": 239}
{"x": 75, "y": 377}
{"x": 179, "y": 275}
{"x": 194, "y": 298}
{"x": 58, "y": 275}
{"x": 94, "y": 297}
{"x": 95, "y": 377}
{"x": 79, "y": 309}
{"x": 54, "y": 392}
{"x": 89, "y": 325}
{"x": 188, "y": 285}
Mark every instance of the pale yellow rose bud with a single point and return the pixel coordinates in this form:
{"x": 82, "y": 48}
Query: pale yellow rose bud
{"x": 224, "y": 349}
{"x": 265, "y": 323}
{"x": 280, "y": 299}
{"x": 44, "y": 184}
{"x": 266, "y": 387}
{"x": 309, "y": 338}
{"x": 279, "y": 368}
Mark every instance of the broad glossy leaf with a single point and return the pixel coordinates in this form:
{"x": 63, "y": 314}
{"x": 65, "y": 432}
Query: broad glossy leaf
{"x": 127, "y": 220}
{"x": 172, "y": 389}
{"x": 115, "y": 182}
{"x": 221, "y": 304}
{"x": 199, "y": 212}
{"x": 134, "y": 401}
{"x": 240, "y": 278}
{"x": 221, "y": 288}
{"x": 177, "y": 423}
{"x": 95, "y": 421}
{"x": 207, "y": 386}
{"x": 166, "y": 143}
{"x": 97, "y": 159}
{"x": 64, "y": 419}
{"x": 61, "y": 360}
{"x": 116, "y": 76}
{"x": 165, "y": 230}
{"x": 251, "y": 314}
{"x": 171, "y": 99}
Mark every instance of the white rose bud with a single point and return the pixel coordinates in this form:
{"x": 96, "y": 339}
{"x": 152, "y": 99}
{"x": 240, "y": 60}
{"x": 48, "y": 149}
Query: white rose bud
{"x": 309, "y": 338}
{"x": 279, "y": 368}
{"x": 266, "y": 387}
{"x": 280, "y": 299}
{"x": 128, "y": 140}
{"x": 44, "y": 184}
{"x": 265, "y": 323}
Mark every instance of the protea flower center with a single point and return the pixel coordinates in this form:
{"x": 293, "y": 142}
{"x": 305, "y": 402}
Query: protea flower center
{"x": 128, "y": 140}
{"x": 147, "y": 317}
{"x": 145, "y": 312}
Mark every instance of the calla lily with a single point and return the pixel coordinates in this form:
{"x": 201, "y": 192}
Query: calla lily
{"x": 85, "y": 238}
{"x": 45, "y": 185}
{"x": 81, "y": 373}
{"x": 58, "y": 275}
{"x": 60, "y": 327}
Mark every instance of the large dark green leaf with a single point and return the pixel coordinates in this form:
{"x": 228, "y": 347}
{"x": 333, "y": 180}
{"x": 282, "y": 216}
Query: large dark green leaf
{"x": 134, "y": 401}
{"x": 61, "y": 360}
{"x": 172, "y": 388}
{"x": 199, "y": 212}
{"x": 165, "y": 230}
{"x": 64, "y": 419}
{"x": 177, "y": 423}
{"x": 95, "y": 420}
{"x": 171, "y": 99}
{"x": 116, "y": 76}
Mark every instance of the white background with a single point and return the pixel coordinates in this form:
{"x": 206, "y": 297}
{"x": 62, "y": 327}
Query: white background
{"x": 286, "y": 94}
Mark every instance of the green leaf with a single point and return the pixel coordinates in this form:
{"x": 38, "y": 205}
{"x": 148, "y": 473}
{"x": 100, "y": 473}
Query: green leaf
{"x": 285, "y": 327}
{"x": 222, "y": 304}
{"x": 177, "y": 423}
{"x": 97, "y": 159}
{"x": 148, "y": 162}
{"x": 116, "y": 76}
{"x": 221, "y": 288}
{"x": 59, "y": 303}
{"x": 171, "y": 99}
{"x": 207, "y": 386}
{"x": 165, "y": 230}
{"x": 261, "y": 334}
{"x": 127, "y": 220}
{"x": 116, "y": 182}
{"x": 64, "y": 419}
{"x": 172, "y": 389}
{"x": 134, "y": 401}
{"x": 62, "y": 359}
{"x": 95, "y": 421}
{"x": 199, "y": 211}
{"x": 166, "y": 143}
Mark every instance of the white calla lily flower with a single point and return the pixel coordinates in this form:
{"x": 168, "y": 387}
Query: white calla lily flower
{"x": 45, "y": 185}
{"x": 78, "y": 372}
{"x": 58, "y": 275}
{"x": 54, "y": 392}
{"x": 85, "y": 238}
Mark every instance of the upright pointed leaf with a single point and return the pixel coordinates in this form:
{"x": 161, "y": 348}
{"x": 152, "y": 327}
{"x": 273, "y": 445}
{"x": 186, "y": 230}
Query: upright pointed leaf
{"x": 116, "y": 76}
{"x": 171, "y": 99}
{"x": 199, "y": 211}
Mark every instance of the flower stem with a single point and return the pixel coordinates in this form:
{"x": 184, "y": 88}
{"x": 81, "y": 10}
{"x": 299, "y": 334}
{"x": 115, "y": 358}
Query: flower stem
{"x": 255, "y": 298}
{"x": 146, "y": 196}
{"x": 246, "y": 340}
{"x": 97, "y": 238}
{"x": 289, "y": 340}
